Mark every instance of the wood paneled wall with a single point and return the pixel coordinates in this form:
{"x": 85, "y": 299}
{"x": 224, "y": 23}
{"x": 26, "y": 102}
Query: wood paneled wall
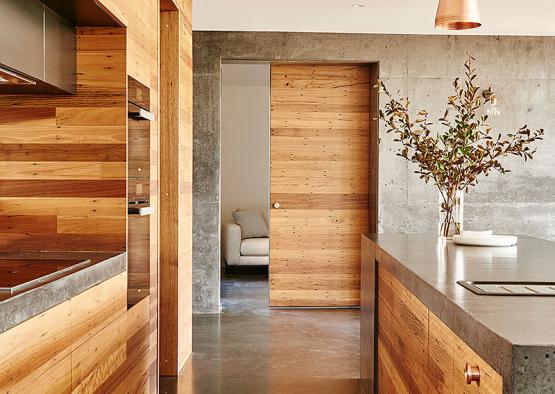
{"x": 141, "y": 17}
{"x": 142, "y": 20}
{"x": 319, "y": 174}
{"x": 176, "y": 139}
{"x": 63, "y": 158}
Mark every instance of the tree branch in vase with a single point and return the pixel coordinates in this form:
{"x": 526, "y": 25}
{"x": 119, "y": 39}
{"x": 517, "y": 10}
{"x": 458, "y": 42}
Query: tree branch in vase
{"x": 467, "y": 148}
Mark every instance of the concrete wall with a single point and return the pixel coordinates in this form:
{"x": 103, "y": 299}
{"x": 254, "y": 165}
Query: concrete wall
{"x": 521, "y": 69}
{"x": 245, "y": 138}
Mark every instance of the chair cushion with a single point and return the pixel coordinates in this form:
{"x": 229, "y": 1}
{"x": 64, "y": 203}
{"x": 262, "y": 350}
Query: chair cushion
{"x": 252, "y": 224}
{"x": 255, "y": 247}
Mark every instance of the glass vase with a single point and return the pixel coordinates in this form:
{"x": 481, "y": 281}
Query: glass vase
{"x": 450, "y": 214}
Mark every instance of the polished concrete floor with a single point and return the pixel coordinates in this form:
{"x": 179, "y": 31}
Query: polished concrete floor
{"x": 250, "y": 348}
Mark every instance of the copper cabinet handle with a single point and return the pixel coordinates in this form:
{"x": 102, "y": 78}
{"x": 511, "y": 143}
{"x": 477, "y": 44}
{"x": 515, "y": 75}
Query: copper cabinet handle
{"x": 472, "y": 373}
{"x": 276, "y": 205}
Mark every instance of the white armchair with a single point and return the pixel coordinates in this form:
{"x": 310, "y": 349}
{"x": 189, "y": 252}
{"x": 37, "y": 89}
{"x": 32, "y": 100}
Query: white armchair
{"x": 248, "y": 251}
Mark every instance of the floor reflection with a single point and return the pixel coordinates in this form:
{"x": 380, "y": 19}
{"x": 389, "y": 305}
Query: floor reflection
{"x": 249, "y": 348}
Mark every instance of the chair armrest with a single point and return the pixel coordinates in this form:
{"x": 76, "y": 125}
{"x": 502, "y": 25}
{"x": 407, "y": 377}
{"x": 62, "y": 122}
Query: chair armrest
{"x": 231, "y": 243}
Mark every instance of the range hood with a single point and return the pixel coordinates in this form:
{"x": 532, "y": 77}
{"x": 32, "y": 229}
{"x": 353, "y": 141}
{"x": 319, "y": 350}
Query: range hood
{"x": 38, "y": 44}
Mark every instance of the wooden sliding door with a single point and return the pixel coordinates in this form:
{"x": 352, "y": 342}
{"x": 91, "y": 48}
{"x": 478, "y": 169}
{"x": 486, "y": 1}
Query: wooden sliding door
{"x": 319, "y": 182}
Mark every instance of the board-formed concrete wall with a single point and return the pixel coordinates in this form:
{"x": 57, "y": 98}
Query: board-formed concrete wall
{"x": 520, "y": 69}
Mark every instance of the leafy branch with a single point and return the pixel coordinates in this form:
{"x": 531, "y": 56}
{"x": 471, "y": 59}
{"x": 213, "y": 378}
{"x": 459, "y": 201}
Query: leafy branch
{"x": 454, "y": 159}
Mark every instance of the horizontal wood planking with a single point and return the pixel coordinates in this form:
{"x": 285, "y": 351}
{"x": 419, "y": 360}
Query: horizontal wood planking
{"x": 319, "y": 173}
{"x": 62, "y": 242}
{"x": 322, "y": 202}
{"x": 302, "y": 261}
{"x": 71, "y": 147}
{"x": 52, "y": 134}
{"x": 85, "y": 225}
{"x": 62, "y": 152}
{"x": 315, "y": 298}
{"x": 29, "y": 224}
{"x": 90, "y": 343}
{"x": 57, "y": 170}
{"x": 37, "y": 350}
{"x": 34, "y": 347}
{"x": 67, "y": 207}
{"x": 142, "y": 20}
{"x": 100, "y": 361}
{"x": 63, "y": 188}
{"x": 56, "y": 380}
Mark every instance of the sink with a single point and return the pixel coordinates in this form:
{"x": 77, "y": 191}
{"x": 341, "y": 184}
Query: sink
{"x": 500, "y": 288}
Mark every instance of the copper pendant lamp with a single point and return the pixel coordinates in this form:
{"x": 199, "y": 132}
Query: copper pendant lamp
{"x": 458, "y": 14}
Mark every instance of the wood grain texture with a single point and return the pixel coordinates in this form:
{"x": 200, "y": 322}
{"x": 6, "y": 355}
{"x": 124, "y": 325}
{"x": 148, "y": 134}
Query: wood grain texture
{"x": 368, "y": 316}
{"x": 490, "y": 381}
{"x": 107, "y": 357}
{"x": 402, "y": 338}
{"x": 441, "y": 356}
{"x": 71, "y": 148}
{"x": 175, "y": 187}
{"x": 138, "y": 258}
{"x": 34, "y": 347}
{"x": 97, "y": 307}
{"x": 57, "y": 380}
{"x": 84, "y": 345}
{"x": 319, "y": 173}
{"x": 417, "y": 352}
{"x": 37, "y": 351}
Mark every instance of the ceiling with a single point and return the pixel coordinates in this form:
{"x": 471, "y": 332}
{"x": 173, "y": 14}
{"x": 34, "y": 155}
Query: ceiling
{"x": 499, "y": 17}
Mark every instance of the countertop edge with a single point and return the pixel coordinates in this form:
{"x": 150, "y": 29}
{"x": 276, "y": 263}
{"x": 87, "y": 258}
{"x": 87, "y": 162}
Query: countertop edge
{"x": 27, "y": 305}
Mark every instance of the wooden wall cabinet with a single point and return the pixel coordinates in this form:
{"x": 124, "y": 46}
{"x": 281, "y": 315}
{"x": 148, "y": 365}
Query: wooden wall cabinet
{"x": 417, "y": 353}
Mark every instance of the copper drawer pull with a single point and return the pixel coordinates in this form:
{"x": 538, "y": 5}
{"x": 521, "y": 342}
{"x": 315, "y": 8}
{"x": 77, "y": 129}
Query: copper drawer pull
{"x": 472, "y": 373}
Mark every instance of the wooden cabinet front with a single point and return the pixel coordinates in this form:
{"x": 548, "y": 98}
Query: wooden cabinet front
{"x": 88, "y": 343}
{"x": 402, "y": 338}
{"x": 418, "y": 353}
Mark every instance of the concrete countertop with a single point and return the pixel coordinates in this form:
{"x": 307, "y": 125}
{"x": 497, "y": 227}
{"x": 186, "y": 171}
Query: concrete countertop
{"x": 21, "y": 307}
{"x": 514, "y": 334}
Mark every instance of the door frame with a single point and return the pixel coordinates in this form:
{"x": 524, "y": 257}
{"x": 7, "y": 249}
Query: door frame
{"x": 373, "y": 173}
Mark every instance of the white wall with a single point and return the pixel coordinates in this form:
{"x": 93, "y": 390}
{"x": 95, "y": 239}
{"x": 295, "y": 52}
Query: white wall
{"x": 245, "y": 134}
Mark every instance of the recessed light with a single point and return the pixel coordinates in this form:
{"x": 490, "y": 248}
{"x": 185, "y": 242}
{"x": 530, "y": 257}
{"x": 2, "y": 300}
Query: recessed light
{"x": 358, "y": 5}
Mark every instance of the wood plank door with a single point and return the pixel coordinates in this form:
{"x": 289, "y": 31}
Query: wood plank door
{"x": 319, "y": 176}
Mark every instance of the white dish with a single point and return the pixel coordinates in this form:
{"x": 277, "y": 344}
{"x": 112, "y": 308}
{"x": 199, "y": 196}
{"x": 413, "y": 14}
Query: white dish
{"x": 494, "y": 240}
{"x": 477, "y": 234}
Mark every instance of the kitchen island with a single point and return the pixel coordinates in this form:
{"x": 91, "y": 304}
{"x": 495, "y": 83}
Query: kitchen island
{"x": 66, "y": 326}
{"x": 420, "y": 329}
{"x": 39, "y": 286}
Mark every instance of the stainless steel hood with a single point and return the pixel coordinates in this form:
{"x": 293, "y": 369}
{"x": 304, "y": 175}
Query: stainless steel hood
{"x": 37, "y": 49}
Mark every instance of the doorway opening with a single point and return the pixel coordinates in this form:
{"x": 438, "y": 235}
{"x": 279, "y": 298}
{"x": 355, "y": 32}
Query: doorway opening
{"x": 245, "y": 135}
{"x": 299, "y": 146}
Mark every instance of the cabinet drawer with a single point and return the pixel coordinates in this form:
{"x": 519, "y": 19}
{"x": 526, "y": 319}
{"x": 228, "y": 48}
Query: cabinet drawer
{"x": 487, "y": 380}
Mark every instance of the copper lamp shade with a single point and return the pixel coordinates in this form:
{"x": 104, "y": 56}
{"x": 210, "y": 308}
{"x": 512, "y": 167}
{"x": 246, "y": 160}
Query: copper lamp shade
{"x": 458, "y": 14}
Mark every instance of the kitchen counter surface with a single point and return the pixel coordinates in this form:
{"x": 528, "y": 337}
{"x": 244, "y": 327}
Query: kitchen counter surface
{"x": 17, "y": 268}
{"x": 515, "y": 334}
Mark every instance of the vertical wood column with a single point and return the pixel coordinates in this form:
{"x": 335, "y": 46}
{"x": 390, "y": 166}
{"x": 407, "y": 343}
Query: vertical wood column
{"x": 175, "y": 185}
